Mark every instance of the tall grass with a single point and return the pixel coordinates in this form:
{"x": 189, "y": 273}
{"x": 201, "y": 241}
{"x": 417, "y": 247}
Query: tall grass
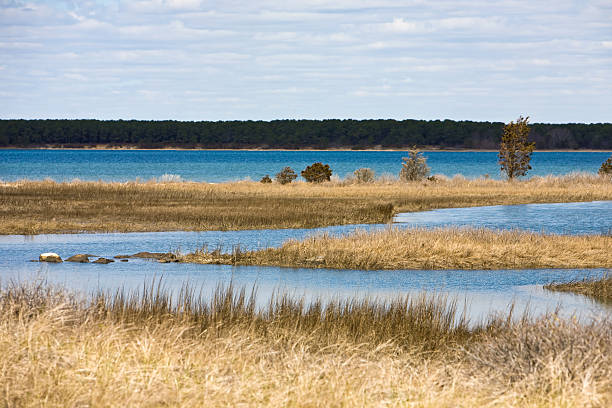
{"x": 429, "y": 322}
{"x": 32, "y": 207}
{"x": 421, "y": 248}
{"x": 148, "y": 349}
{"x": 598, "y": 289}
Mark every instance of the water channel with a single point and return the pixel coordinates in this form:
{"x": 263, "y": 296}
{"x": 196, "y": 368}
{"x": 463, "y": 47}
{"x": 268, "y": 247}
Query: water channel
{"x": 484, "y": 292}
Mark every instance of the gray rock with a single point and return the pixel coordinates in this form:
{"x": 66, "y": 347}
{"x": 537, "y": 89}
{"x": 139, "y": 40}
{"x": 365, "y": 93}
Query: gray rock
{"x": 50, "y": 257}
{"x": 149, "y": 255}
{"x": 103, "y": 261}
{"x": 81, "y": 258}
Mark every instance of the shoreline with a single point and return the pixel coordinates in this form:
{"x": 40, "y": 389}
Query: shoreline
{"x": 260, "y": 149}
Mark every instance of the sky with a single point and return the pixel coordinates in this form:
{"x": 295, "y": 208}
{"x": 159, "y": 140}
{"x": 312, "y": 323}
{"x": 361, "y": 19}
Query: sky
{"x": 291, "y": 59}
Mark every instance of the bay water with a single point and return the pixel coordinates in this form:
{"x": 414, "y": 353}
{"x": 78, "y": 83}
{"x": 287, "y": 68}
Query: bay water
{"x": 230, "y": 165}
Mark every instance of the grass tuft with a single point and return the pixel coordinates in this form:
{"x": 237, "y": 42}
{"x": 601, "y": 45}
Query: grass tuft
{"x": 149, "y": 349}
{"x": 598, "y": 289}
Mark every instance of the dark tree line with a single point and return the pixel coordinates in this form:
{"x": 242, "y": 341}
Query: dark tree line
{"x": 295, "y": 134}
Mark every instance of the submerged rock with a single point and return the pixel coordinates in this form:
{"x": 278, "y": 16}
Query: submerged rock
{"x": 152, "y": 255}
{"x": 163, "y": 257}
{"x": 168, "y": 258}
{"x": 103, "y": 261}
{"x": 81, "y": 258}
{"x": 50, "y": 257}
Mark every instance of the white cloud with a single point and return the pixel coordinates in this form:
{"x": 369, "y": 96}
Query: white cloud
{"x": 267, "y": 59}
{"x": 399, "y": 25}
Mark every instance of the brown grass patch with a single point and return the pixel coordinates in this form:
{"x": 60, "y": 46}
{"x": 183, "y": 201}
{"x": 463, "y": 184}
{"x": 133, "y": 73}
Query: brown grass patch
{"x": 598, "y": 289}
{"x": 420, "y": 248}
{"x": 119, "y": 351}
{"x": 29, "y": 207}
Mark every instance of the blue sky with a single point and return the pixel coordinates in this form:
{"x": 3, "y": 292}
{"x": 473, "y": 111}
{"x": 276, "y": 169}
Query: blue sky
{"x": 261, "y": 59}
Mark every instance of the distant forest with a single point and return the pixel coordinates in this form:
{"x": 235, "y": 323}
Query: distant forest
{"x": 294, "y": 134}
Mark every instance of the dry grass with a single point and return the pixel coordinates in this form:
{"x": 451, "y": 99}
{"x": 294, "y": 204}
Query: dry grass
{"x": 121, "y": 351}
{"x": 598, "y": 289}
{"x": 28, "y": 207}
{"x": 420, "y": 248}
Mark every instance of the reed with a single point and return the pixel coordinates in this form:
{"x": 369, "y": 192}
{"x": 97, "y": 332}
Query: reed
{"x": 598, "y": 289}
{"x": 35, "y": 207}
{"x": 420, "y": 248}
{"x": 149, "y": 349}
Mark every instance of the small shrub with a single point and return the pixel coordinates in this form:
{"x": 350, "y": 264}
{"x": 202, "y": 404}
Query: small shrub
{"x": 265, "y": 179}
{"x": 364, "y": 175}
{"x": 606, "y": 168}
{"x": 286, "y": 175}
{"x": 317, "y": 173}
{"x": 414, "y": 167}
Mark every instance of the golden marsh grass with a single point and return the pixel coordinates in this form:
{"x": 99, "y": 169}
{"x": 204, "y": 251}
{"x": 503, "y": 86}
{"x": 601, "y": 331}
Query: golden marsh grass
{"x": 31, "y": 207}
{"x": 121, "y": 350}
{"x": 420, "y": 248}
{"x": 599, "y": 289}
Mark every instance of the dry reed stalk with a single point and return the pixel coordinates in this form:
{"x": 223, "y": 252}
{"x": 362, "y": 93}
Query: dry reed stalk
{"x": 420, "y": 248}
{"x": 32, "y": 207}
{"x": 58, "y": 352}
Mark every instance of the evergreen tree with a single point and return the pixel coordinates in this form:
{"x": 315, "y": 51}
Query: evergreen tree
{"x": 414, "y": 167}
{"x": 515, "y": 151}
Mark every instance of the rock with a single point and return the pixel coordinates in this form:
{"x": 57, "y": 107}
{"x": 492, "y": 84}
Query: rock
{"x": 151, "y": 255}
{"x": 50, "y": 257}
{"x": 168, "y": 258}
{"x": 163, "y": 257}
{"x": 81, "y": 258}
{"x": 103, "y": 261}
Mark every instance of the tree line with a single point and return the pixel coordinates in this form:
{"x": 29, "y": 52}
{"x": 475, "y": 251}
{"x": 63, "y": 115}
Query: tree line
{"x": 294, "y": 134}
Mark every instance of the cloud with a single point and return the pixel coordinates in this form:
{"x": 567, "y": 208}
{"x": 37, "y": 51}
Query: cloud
{"x": 324, "y": 58}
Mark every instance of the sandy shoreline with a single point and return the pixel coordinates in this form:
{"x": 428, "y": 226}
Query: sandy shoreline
{"x": 345, "y": 149}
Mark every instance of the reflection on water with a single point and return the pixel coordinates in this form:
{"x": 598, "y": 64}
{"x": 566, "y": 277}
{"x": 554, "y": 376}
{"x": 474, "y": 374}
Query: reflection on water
{"x": 484, "y": 291}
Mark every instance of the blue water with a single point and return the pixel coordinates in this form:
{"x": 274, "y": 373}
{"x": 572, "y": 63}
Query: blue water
{"x": 485, "y": 291}
{"x": 566, "y": 218}
{"x": 227, "y": 165}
